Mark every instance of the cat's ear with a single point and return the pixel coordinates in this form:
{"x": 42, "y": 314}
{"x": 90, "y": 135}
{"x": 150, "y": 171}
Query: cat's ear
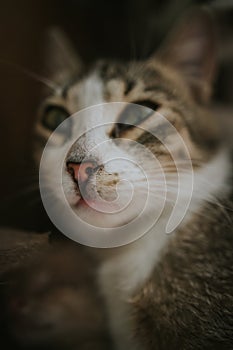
{"x": 62, "y": 62}
{"x": 191, "y": 50}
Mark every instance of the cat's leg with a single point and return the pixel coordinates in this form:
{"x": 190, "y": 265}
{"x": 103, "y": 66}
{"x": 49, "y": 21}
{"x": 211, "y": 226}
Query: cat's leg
{"x": 122, "y": 327}
{"x": 119, "y": 309}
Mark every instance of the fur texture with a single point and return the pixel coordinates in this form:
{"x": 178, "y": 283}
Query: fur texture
{"x": 161, "y": 292}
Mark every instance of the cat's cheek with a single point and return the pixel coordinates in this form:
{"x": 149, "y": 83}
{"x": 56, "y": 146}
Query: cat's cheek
{"x": 69, "y": 190}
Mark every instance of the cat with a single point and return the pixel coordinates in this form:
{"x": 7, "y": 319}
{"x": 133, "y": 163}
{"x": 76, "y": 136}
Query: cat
{"x": 161, "y": 291}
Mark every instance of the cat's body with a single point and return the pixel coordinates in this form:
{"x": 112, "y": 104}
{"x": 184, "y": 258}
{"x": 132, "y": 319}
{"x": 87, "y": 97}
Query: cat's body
{"x": 189, "y": 295}
{"x": 161, "y": 291}
{"x": 169, "y": 295}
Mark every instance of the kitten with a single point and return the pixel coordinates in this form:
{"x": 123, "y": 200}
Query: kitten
{"x": 161, "y": 291}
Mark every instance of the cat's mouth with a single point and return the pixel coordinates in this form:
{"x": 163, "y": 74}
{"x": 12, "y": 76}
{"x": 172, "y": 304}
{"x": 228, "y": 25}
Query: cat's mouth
{"x": 103, "y": 199}
{"x": 81, "y": 202}
{"x": 84, "y": 203}
{"x": 98, "y": 205}
{"x": 91, "y": 196}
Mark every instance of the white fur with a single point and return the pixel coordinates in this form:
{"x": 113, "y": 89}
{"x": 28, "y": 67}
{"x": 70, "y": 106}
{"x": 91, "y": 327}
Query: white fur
{"x": 91, "y": 91}
{"x": 120, "y": 277}
{"x": 212, "y": 181}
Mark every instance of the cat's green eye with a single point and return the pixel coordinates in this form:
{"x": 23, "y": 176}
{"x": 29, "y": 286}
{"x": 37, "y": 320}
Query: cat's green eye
{"x": 54, "y": 116}
{"x": 133, "y": 115}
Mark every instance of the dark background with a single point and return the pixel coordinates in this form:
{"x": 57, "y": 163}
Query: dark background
{"x": 98, "y": 28}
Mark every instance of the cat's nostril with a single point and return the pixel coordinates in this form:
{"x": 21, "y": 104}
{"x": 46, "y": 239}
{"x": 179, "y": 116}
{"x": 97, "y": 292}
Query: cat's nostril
{"x": 90, "y": 171}
{"x": 81, "y": 171}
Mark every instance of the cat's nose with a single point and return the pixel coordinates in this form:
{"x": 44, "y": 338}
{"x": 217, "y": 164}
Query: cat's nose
{"x": 81, "y": 171}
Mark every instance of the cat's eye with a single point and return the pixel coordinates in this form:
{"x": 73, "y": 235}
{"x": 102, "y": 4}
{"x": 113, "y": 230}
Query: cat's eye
{"x": 54, "y": 116}
{"x": 134, "y": 115}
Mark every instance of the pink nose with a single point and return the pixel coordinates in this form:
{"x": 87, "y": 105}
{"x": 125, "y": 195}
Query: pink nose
{"x": 81, "y": 172}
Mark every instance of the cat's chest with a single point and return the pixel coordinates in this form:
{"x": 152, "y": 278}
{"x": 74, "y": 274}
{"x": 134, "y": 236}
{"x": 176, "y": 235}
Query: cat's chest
{"x": 122, "y": 276}
{"x": 130, "y": 268}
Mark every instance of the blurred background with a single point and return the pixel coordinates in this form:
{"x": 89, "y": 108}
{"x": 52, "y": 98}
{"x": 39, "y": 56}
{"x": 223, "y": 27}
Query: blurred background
{"x": 119, "y": 29}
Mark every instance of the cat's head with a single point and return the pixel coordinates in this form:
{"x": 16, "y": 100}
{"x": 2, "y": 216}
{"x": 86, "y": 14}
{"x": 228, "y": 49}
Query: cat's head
{"x": 108, "y": 156}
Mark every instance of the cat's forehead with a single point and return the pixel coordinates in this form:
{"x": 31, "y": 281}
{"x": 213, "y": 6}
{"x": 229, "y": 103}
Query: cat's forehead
{"x": 117, "y": 81}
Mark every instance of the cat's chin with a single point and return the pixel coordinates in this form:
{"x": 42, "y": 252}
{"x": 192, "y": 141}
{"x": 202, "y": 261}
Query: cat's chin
{"x": 100, "y": 206}
{"x": 102, "y": 214}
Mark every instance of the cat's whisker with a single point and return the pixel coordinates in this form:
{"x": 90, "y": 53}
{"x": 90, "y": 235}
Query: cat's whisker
{"x": 195, "y": 194}
{"x": 176, "y": 165}
{"x": 156, "y": 181}
{"x": 173, "y": 202}
{"x": 51, "y": 85}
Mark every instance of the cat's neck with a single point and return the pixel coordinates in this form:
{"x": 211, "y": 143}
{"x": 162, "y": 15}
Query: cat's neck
{"x": 130, "y": 265}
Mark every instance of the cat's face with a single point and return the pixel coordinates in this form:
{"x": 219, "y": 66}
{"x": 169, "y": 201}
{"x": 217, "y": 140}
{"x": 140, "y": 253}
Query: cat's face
{"x": 112, "y": 149}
